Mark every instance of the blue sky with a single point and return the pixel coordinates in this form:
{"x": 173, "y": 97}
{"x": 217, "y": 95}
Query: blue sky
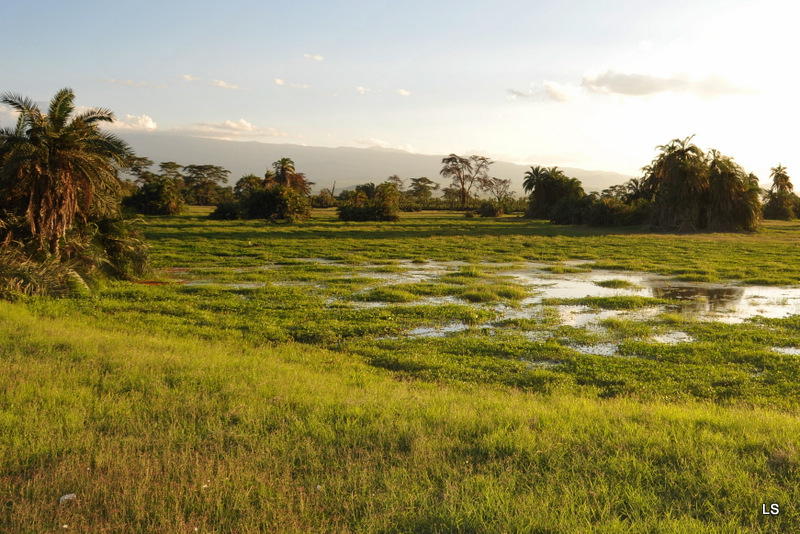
{"x": 591, "y": 84}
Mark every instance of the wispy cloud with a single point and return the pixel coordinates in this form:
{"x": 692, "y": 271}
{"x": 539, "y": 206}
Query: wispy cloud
{"x": 403, "y": 92}
{"x": 7, "y": 115}
{"x": 513, "y": 94}
{"x": 371, "y": 142}
{"x": 213, "y": 83}
{"x": 634, "y": 84}
{"x": 363, "y": 90}
{"x": 134, "y": 123}
{"x": 563, "y": 92}
{"x": 282, "y": 82}
{"x": 316, "y": 57}
{"x": 133, "y": 83}
{"x": 230, "y": 130}
{"x": 223, "y": 84}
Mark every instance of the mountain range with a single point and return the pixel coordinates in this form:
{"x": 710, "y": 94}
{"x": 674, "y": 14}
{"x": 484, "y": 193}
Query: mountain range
{"x": 344, "y": 166}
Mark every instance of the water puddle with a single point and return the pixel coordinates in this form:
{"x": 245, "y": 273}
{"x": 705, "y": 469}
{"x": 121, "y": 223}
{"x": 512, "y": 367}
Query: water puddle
{"x": 701, "y": 301}
{"x": 673, "y": 338}
{"x": 600, "y": 349}
{"x": 225, "y": 285}
{"x": 437, "y": 331}
{"x": 793, "y": 351}
{"x": 546, "y": 364}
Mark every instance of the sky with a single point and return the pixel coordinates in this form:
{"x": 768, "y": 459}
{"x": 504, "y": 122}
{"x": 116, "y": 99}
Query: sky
{"x": 594, "y": 84}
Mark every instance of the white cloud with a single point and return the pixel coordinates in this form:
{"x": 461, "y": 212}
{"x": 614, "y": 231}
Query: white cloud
{"x": 7, "y": 115}
{"x": 134, "y": 123}
{"x": 223, "y": 84}
{"x": 371, "y": 142}
{"x": 635, "y": 84}
{"x": 363, "y": 90}
{"x": 314, "y": 57}
{"x": 213, "y": 83}
{"x": 513, "y": 94}
{"x": 403, "y": 92}
{"x": 282, "y": 82}
{"x": 563, "y": 92}
{"x": 132, "y": 83}
{"x": 230, "y": 130}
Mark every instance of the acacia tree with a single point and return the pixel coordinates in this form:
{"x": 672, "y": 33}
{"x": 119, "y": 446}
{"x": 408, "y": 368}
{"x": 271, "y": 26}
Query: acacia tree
{"x": 56, "y": 167}
{"x": 466, "y": 174}
{"x": 422, "y": 188}
{"x": 203, "y": 184}
{"x": 498, "y": 188}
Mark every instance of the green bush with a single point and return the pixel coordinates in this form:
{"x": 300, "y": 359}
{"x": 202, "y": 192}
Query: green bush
{"x": 161, "y": 196}
{"x": 366, "y": 205}
{"x": 490, "y": 209}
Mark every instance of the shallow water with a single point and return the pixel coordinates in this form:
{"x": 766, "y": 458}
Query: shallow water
{"x": 727, "y": 303}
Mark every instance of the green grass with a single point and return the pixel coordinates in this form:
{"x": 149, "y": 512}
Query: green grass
{"x": 616, "y": 284}
{"x": 269, "y": 397}
{"x": 612, "y": 303}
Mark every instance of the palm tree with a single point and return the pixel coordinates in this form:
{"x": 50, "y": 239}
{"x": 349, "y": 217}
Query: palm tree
{"x": 733, "y": 195}
{"x": 286, "y": 175}
{"x": 781, "y": 184}
{"x": 56, "y": 168}
{"x": 781, "y": 202}
{"x": 678, "y": 178}
{"x": 533, "y": 177}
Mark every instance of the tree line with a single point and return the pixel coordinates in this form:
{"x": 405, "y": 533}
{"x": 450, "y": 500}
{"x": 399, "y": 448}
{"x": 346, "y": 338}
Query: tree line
{"x": 64, "y": 225}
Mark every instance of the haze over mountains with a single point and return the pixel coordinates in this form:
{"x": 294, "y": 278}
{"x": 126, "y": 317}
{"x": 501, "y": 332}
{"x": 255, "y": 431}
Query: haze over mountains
{"x": 346, "y": 166}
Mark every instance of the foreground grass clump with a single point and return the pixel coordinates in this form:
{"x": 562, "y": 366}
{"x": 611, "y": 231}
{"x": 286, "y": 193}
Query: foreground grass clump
{"x": 612, "y": 303}
{"x": 251, "y": 387}
{"x": 170, "y": 433}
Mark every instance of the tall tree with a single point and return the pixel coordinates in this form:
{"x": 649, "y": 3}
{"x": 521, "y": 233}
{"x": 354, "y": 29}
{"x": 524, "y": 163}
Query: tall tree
{"x": 781, "y": 183}
{"x": 679, "y": 178}
{"x": 285, "y": 174}
{"x": 56, "y": 166}
{"x": 139, "y": 167}
{"x": 466, "y": 174}
{"x": 781, "y": 202}
{"x": 422, "y": 188}
{"x": 203, "y": 183}
{"x": 498, "y": 188}
{"x": 548, "y": 187}
{"x": 693, "y": 191}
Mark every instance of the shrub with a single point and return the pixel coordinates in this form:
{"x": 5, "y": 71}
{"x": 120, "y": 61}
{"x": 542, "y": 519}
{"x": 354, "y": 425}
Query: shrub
{"x": 490, "y": 209}
{"x": 227, "y": 211}
{"x": 383, "y": 205}
{"x": 276, "y": 202}
{"x": 161, "y": 196}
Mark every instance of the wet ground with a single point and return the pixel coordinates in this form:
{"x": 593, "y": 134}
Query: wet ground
{"x": 728, "y": 303}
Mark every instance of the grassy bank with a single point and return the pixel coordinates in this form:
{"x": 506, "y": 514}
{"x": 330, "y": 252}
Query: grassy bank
{"x": 160, "y": 433}
{"x": 247, "y": 389}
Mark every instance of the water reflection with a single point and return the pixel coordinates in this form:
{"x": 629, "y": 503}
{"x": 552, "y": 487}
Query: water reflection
{"x": 701, "y": 299}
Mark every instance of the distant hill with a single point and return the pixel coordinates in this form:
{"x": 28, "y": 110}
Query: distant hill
{"x": 346, "y": 166}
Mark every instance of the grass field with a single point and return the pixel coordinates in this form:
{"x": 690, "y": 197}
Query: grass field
{"x": 358, "y": 377}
